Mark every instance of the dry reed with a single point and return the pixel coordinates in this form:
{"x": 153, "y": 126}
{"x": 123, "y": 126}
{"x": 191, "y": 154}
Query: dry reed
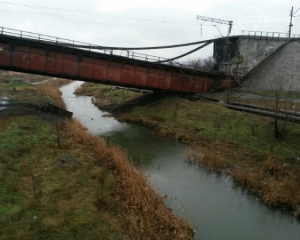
{"x": 143, "y": 210}
{"x": 50, "y": 88}
{"x": 272, "y": 183}
{"x": 207, "y": 157}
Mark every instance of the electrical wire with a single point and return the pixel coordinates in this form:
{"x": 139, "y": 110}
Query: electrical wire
{"x": 53, "y": 15}
{"x": 126, "y": 16}
{"x": 152, "y": 21}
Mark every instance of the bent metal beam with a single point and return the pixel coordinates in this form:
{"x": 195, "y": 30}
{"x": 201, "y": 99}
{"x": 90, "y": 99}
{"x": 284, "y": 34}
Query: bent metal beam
{"x": 47, "y": 58}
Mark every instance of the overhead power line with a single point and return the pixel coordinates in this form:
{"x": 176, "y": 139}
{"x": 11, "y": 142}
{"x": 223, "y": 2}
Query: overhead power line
{"x": 160, "y": 19}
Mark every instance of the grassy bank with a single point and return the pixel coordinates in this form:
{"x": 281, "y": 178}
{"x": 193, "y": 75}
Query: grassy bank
{"x": 106, "y": 97}
{"x": 221, "y": 139}
{"x": 75, "y": 188}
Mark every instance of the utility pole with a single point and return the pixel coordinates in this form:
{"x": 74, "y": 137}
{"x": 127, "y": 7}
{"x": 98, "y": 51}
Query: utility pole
{"x": 291, "y": 22}
{"x": 292, "y": 14}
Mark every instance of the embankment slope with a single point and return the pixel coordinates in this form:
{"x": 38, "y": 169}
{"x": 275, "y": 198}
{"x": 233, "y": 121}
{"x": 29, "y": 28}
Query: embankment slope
{"x": 283, "y": 65}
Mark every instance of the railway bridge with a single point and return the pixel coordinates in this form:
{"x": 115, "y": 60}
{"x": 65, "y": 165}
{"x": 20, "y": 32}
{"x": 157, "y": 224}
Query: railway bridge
{"x": 51, "y": 56}
{"x": 44, "y": 55}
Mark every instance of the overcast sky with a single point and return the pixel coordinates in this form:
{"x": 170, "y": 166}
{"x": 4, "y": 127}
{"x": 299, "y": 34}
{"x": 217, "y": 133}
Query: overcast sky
{"x": 138, "y": 23}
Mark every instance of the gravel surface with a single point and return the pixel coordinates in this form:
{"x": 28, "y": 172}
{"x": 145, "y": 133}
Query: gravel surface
{"x": 282, "y": 68}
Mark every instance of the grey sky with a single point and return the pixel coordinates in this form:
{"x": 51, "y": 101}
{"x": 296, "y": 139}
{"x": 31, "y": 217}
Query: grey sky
{"x": 136, "y": 23}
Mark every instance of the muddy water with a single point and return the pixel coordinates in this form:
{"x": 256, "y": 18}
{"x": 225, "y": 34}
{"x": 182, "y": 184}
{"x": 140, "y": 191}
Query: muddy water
{"x": 216, "y": 208}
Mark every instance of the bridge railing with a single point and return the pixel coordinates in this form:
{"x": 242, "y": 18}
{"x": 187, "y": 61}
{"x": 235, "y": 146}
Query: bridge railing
{"x": 265, "y": 35}
{"x": 86, "y": 46}
{"x": 269, "y": 35}
{"x": 295, "y": 36}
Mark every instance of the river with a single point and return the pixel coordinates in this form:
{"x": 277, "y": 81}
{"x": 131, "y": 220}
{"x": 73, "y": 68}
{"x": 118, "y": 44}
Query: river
{"x": 215, "y": 206}
{"x": 3, "y": 103}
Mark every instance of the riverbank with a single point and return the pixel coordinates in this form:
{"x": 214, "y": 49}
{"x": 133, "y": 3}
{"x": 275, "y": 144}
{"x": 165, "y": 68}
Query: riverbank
{"x": 61, "y": 182}
{"x": 239, "y": 143}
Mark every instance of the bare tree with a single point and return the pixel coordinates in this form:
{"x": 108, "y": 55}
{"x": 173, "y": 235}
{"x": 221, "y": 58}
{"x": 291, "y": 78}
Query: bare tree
{"x": 207, "y": 63}
{"x": 281, "y": 87}
{"x": 195, "y": 63}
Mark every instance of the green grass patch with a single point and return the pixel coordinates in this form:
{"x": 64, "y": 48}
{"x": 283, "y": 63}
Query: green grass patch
{"x": 40, "y": 196}
{"x": 270, "y": 93}
{"x": 7, "y": 85}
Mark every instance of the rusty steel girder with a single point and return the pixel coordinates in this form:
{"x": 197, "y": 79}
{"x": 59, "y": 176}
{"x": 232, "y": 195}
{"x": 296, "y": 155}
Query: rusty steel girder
{"x": 46, "y": 58}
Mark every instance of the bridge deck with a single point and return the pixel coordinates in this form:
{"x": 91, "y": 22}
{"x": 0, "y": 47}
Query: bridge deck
{"x": 37, "y": 56}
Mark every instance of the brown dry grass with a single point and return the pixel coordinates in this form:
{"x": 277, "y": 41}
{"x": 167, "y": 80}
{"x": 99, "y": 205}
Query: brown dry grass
{"x": 273, "y": 183}
{"x": 276, "y": 185}
{"x": 209, "y": 158}
{"x": 143, "y": 210}
{"x": 79, "y": 91}
{"x": 50, "y": 88}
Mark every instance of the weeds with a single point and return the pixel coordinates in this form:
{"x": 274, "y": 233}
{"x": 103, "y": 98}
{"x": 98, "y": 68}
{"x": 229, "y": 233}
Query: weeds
{"x": 207, "y": 158}
{"x": 51, "y": 90}
{"x": 272, "y": 182}
{"x": 41, "y": 198}
{"x": 143, "y": 210}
